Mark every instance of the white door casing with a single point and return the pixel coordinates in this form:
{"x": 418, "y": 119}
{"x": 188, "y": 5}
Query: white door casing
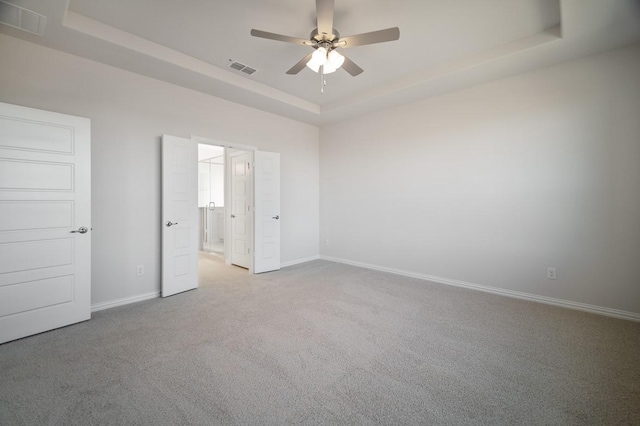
{"x": 179, "y": 215}
{"x": 45, "y": 199}
{"x": 241, "y": 195}
{"x": 267, "y": 212}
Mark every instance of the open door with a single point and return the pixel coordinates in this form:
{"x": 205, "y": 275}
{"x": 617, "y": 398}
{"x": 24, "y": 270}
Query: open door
{"x": 267, "y": 212}
{"x": 45, "y": 231}
{"x": 241, "y": 190}
{"x": 179, "y": 215}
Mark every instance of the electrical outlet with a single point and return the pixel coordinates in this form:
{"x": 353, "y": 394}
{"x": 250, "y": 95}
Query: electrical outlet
{"x": 326, "y": 242}
{"x": 140, "y": 270}
{"x": 551, "y": 273}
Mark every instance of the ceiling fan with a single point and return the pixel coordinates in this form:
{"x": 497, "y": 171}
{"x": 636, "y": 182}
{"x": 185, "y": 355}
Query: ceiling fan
{"x": 325, "y": 40}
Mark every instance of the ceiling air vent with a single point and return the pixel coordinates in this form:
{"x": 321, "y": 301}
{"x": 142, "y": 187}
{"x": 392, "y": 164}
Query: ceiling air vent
{"x": 21, "y": 18}
{"x": 242, "y": 67}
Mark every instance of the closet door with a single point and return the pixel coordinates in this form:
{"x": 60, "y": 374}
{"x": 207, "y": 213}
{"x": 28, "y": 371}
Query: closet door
{"x": 45, "y": 226}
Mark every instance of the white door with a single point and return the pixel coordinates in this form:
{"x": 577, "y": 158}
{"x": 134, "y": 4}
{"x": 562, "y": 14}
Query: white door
{"x": 179, "y": 215}
{"x": 267, "y": 212}
{"x": 45, "y": 225}
{"x": 241, "y": 209}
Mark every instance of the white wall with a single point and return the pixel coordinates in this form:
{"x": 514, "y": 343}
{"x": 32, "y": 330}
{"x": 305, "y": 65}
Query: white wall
{"x": 128, "y": 115}
{"x": 493, "y": 184}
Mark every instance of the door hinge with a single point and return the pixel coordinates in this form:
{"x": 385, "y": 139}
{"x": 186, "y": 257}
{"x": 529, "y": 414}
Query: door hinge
{"x": 248, "y": 165}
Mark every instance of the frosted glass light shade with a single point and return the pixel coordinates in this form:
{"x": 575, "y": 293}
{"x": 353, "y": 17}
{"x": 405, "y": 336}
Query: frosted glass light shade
{"x": 313, "y": 66}
{"x": 328, "y": 68}
{"x": 335, "y": 59}
{"x": 331, "y": 61}
{"x": 318, "y": 59}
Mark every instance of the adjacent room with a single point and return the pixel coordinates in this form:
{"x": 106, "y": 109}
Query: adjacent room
{"x": 211, "y": 199}
{"x": 319, "y": 212}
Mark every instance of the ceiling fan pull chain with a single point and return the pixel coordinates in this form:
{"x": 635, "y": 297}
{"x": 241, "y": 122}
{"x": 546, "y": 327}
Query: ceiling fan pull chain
{"x": 322, "y": 82}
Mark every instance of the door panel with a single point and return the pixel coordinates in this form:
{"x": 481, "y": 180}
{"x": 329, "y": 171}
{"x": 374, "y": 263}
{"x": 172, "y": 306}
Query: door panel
{"x": 25, "y": 175}
{"x": 35, "y": 135}
{"x": 180, "y": 211}
{"x": 267, "y": 211}
{"x": 33, "y": 215}
{"x": 29, "y": 255}
{"x": 43, "y": 293}
{"x": 45, "y": 197}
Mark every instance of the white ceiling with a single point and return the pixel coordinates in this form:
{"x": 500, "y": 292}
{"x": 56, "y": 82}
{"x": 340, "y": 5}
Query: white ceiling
{"x": 432, "y": 31}
{"x": 443, "y": 46}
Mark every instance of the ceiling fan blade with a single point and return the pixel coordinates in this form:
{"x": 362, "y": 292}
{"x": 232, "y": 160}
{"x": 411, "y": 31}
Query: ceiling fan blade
{"x": 324, "y": 16}
{"x": 300, "y": 65}
{"x": 380, "y": 36}
{"x": 280, "y": 37}
{"x": 349, "y": 66}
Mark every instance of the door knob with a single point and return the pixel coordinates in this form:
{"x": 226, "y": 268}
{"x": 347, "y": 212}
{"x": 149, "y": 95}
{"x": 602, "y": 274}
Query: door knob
{"x": 170, "y": 224}
{"x": 276, "y": 217}
{"x": 81, "y": 230}
{"x": 233, "y": 216}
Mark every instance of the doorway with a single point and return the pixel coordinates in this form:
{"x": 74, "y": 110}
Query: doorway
{"x": 211, "y": 200}
{"x": 212, "y": 193}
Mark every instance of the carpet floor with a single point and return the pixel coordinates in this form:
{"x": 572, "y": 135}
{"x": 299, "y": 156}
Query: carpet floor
{"x": 325, "y": 343}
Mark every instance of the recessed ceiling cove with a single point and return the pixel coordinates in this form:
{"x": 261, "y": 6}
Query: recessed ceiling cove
{"x": 442, "y": 45}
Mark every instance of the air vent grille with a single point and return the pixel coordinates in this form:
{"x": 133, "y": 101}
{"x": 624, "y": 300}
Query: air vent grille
{"x": 21, "y": 18}
{"x": 242, "y": 67}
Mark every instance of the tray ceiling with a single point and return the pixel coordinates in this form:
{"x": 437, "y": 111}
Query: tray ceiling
{"x": 443, "y": 46}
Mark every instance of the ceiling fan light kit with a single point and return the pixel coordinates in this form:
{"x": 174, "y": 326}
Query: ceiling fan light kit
{"x": 329, "y": 61}
{"x": 325, "y": 40}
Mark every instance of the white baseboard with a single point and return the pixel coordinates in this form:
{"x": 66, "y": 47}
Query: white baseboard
{"x": 119, "y": 302}
{"x": 601, "y": 310}
{"x": 298, "y": 261}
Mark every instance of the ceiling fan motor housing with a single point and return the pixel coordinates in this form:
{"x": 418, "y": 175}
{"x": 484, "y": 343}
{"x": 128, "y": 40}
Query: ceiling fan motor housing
{"x": 324, "y": 37}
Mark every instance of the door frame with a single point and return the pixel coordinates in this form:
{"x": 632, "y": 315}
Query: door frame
{"x": 227, "y": 191}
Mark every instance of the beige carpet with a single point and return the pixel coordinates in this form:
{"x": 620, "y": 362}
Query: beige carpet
{"x": 324, "y": 343}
